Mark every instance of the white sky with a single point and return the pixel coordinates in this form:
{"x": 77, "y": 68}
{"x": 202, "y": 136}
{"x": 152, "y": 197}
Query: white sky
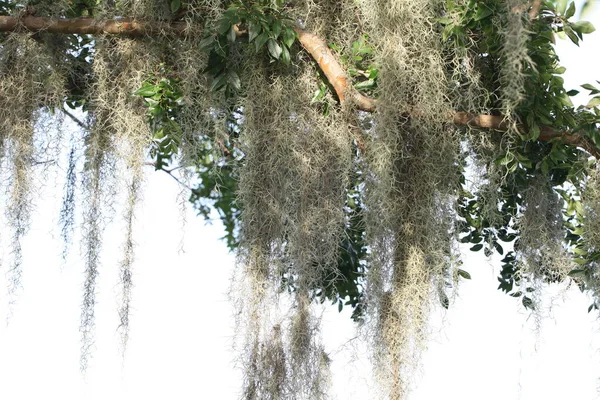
{"x": 181, "y": 325}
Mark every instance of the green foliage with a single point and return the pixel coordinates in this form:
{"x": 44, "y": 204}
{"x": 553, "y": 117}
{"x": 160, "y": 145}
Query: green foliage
{"x": 547, "y": 103}
{"x": 163, "y": 97}
{"x": 267, "y": 27}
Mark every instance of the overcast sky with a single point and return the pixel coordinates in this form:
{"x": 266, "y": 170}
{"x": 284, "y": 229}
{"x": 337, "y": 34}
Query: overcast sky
{"x": 484, "y": 347}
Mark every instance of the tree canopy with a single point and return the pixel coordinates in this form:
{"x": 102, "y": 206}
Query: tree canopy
{"x": 348, "y": 146}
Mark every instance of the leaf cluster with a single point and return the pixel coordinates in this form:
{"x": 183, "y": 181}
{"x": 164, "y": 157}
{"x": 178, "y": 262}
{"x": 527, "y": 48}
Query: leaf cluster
{"x": 264, "y": 24}
{"x": 163, "y": 97}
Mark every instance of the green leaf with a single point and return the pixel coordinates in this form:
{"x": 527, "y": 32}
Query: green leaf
{"x": 219, "y": 82}
{"x": 477, "y": 247}
{"x": 274, "y": 49}
{"x": 571, "y": 34}
{"x": 583, "y": 27}
{"x": 276, "y": 29}
{"x": 588, "y": 87}
{"x": 463, "y": 274}
{"x": 594, "y": 102}
{"x": 444, "y": 300}
{"x": 319, "y": 94}
{"x": 573, "y": 92}
{"x": 175, "y": 6}
{"x": 147, "y": 90}
{"x": 233, "y": 80}
{"x": 587, "y": 8}
{"x": 527, "y": 302}
{"x": 231, "y": 34}
{"x": 483, "y": 12}
{"x": 498, "y": 248}
{"x": 368, "y": 84}
{"x": 289, "y": 36}
{"x": 224, "y": 26}
{"x": 570, "y": 10}
{"x": 507, "y": 159}
{"x": 254, "y": 30}
{"x": 561, "y": 6}
{"x": 577, "y": 273}
{"x": 261, "y": 40}
{"x": 559, "y": 70}
{"x": 285, "y": 55}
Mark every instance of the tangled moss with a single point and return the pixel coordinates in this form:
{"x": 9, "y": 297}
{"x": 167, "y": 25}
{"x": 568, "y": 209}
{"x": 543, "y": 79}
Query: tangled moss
{"x": 24, "y": 84}
{"x": 295, "y": 155}
{"x": 413, "y": 174}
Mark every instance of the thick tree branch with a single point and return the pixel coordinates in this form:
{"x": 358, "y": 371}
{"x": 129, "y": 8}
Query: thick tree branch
{"x": 314, "y": 45}
{"x": 83, "y": 26}
{"x": 332, "y": 70}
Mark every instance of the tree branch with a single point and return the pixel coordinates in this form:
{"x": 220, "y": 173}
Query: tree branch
{"x": 535, "y": 8}
{"x": 75, "y": 119}
{"x": 170, "y": 172}
{"x": 90, "y": 26}
{"x": 314, "y": 45}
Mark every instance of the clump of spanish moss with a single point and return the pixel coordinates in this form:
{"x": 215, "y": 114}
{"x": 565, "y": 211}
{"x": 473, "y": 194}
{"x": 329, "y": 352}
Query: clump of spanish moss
{"x": 411, "y": 181}
{"x": 24, "y": 84}
{"x": 515, "y": 57}
{"x": 292, "y": 192}
{"x": 540, "y": 252}
{"x": 590, "y": 199}
{"x": 114, "y": 148}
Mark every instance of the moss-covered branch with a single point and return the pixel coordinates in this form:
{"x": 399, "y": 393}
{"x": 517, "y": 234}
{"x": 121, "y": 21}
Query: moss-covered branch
{"x": 314, "y": 45}
{"x": 90, "y": 26}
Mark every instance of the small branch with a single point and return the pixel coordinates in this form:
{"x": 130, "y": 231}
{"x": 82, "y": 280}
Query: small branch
{"x": 546, "y": 133}
{"x": 170, "y": 172}
{"x": 75, "y": 119}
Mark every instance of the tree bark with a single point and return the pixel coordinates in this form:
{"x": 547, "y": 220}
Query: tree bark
{"x": 314, "y": 45}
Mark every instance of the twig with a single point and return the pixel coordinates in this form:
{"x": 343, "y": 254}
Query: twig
{"x": 75, "y": 119}
{"x": 170, "y": 172}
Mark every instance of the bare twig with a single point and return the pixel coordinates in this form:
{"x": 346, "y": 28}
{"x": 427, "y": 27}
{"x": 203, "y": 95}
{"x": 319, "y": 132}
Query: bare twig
{"x": 171, "y": 174}
{"x": 75, "y": 119}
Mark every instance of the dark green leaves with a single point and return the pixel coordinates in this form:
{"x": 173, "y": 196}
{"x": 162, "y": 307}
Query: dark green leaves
{"x": 254, "y": 29}
{"x": 274, "y": 49}
{"x": 289, "y": 36}
{"x": 463, "y": 274}
{"x": 163, "y": 98}
{"x": 261, "y": 40}
{"x": 477, "y": 247}
{"x": 175, "y": 6}
{"x": 266, "y": 26}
